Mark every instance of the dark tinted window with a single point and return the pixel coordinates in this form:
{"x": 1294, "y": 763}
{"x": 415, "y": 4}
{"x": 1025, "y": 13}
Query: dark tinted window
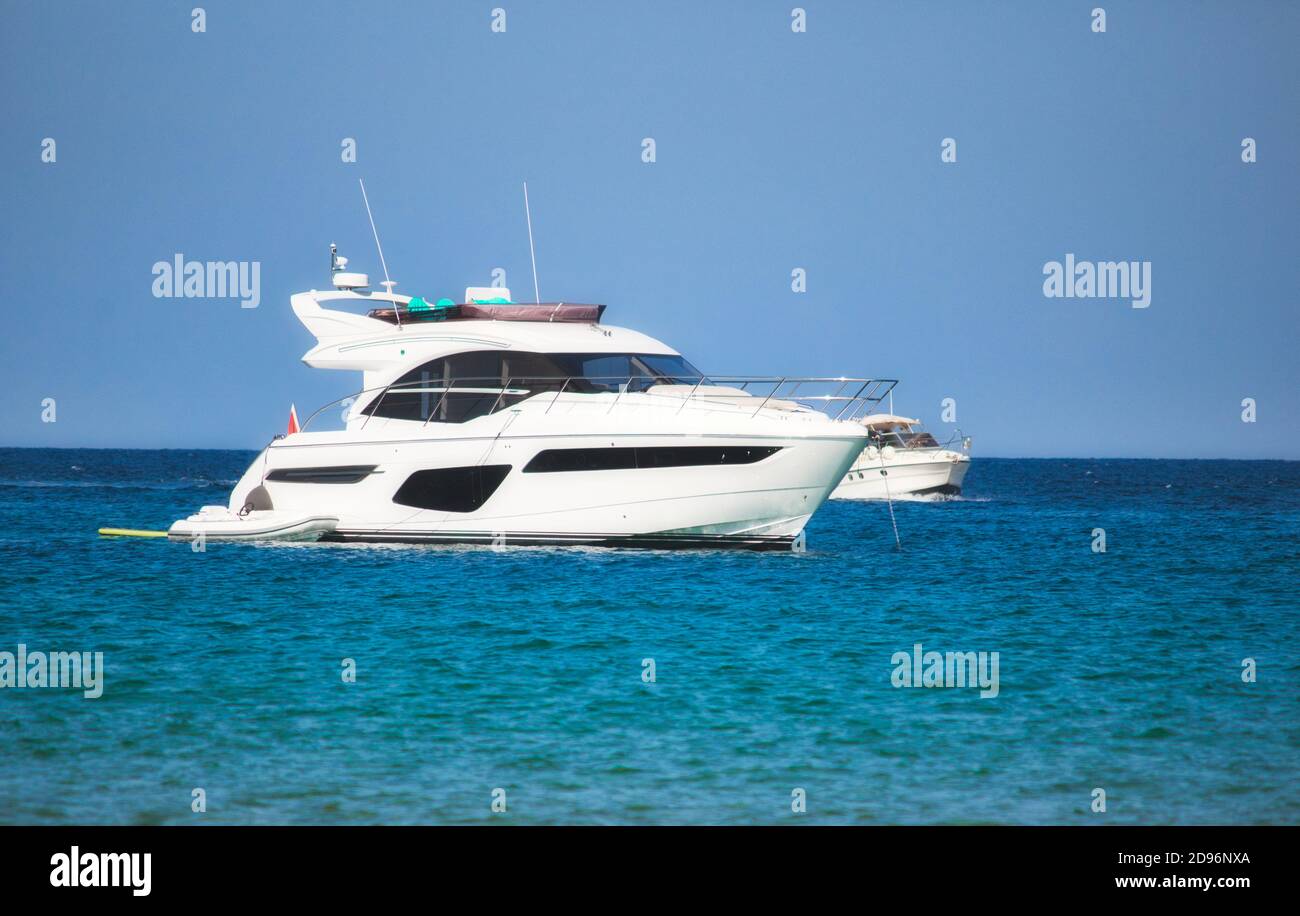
{"x": 450, "y": 390}
{"x": 669, "y": 368}
{"x": 337, "y": 474}
{"x": 608, "y": 459}
{"x": 461, "y": 489}
{"x": 443, "y": 390}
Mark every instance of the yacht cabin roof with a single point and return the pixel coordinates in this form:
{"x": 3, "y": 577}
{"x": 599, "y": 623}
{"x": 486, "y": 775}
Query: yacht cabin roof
{"x": 886, "y": 422}
{"x": 380, "y": 348}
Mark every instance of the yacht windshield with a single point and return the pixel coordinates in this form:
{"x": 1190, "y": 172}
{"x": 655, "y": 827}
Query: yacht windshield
{"x": 636, "y": 370}
{"x": 920, "y": 439}
{"x": 467, "y": 385}
{"x": 909, "y": 439}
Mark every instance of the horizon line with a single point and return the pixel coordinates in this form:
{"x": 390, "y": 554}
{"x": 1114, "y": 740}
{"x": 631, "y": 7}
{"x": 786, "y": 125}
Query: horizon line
{"x": 172, "y": 448}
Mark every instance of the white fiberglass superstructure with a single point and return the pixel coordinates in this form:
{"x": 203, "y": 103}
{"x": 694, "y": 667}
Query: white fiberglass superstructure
{"x": 501, "y": 423}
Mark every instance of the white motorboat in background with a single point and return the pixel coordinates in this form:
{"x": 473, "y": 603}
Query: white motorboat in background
{"x": 903, "y": 459}
{"x": 495, "y": 422}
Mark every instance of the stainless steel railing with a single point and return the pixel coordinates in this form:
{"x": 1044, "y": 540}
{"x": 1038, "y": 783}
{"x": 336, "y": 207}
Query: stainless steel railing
{"x": 955, "y": 442}
{"x": 838, "y": 398}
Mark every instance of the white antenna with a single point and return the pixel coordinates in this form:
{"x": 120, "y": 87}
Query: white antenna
{"x": 388, "y": 284}
{"x": 537, "y": 297}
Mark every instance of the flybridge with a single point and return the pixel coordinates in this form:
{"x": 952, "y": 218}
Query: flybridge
{"x": 391, "y": 313}
{"x": 481, "y": 303}
{"x": 376, "y": 332}
{"x": 505, "y": 311}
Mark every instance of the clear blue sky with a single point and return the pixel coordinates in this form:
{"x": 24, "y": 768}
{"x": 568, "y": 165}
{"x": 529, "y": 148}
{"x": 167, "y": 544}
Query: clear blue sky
{"x": 775, "y": 150}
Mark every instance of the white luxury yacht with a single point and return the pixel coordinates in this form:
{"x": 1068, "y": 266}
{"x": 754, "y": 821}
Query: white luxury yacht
{"x": 903, "y": 459}
{"x": 494, "y": 422}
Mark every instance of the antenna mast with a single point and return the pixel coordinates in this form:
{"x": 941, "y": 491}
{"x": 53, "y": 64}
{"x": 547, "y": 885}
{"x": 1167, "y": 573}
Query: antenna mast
{"x": 388, "y": 284}
{"x": 537, "y": 297}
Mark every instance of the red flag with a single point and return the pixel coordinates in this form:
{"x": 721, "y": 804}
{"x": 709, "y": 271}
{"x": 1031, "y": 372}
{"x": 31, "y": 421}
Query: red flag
{"x": 293, "y": 419}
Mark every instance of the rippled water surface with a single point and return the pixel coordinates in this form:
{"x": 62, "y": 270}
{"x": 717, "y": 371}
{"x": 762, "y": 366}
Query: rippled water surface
{"x": 522, "y": 669}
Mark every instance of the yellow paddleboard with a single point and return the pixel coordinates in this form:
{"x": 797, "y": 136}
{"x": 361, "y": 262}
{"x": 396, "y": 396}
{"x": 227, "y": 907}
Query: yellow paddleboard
{"x": 131, "y": 533}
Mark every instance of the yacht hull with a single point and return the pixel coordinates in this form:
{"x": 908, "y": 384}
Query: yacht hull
{"x": 561, "y": 539}
{"x": 940, "y": 472}
{"x": 762, "y": 502}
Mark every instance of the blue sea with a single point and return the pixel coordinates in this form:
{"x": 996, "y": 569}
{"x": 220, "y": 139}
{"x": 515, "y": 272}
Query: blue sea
{"x": 525, "y": 670}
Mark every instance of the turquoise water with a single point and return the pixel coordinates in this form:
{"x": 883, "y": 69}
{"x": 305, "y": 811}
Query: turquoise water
{"x": 522, "y": 669}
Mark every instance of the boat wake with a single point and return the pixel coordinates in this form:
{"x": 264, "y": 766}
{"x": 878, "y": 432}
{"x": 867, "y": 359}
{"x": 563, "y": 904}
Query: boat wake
{"x": 920, "y": 498}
